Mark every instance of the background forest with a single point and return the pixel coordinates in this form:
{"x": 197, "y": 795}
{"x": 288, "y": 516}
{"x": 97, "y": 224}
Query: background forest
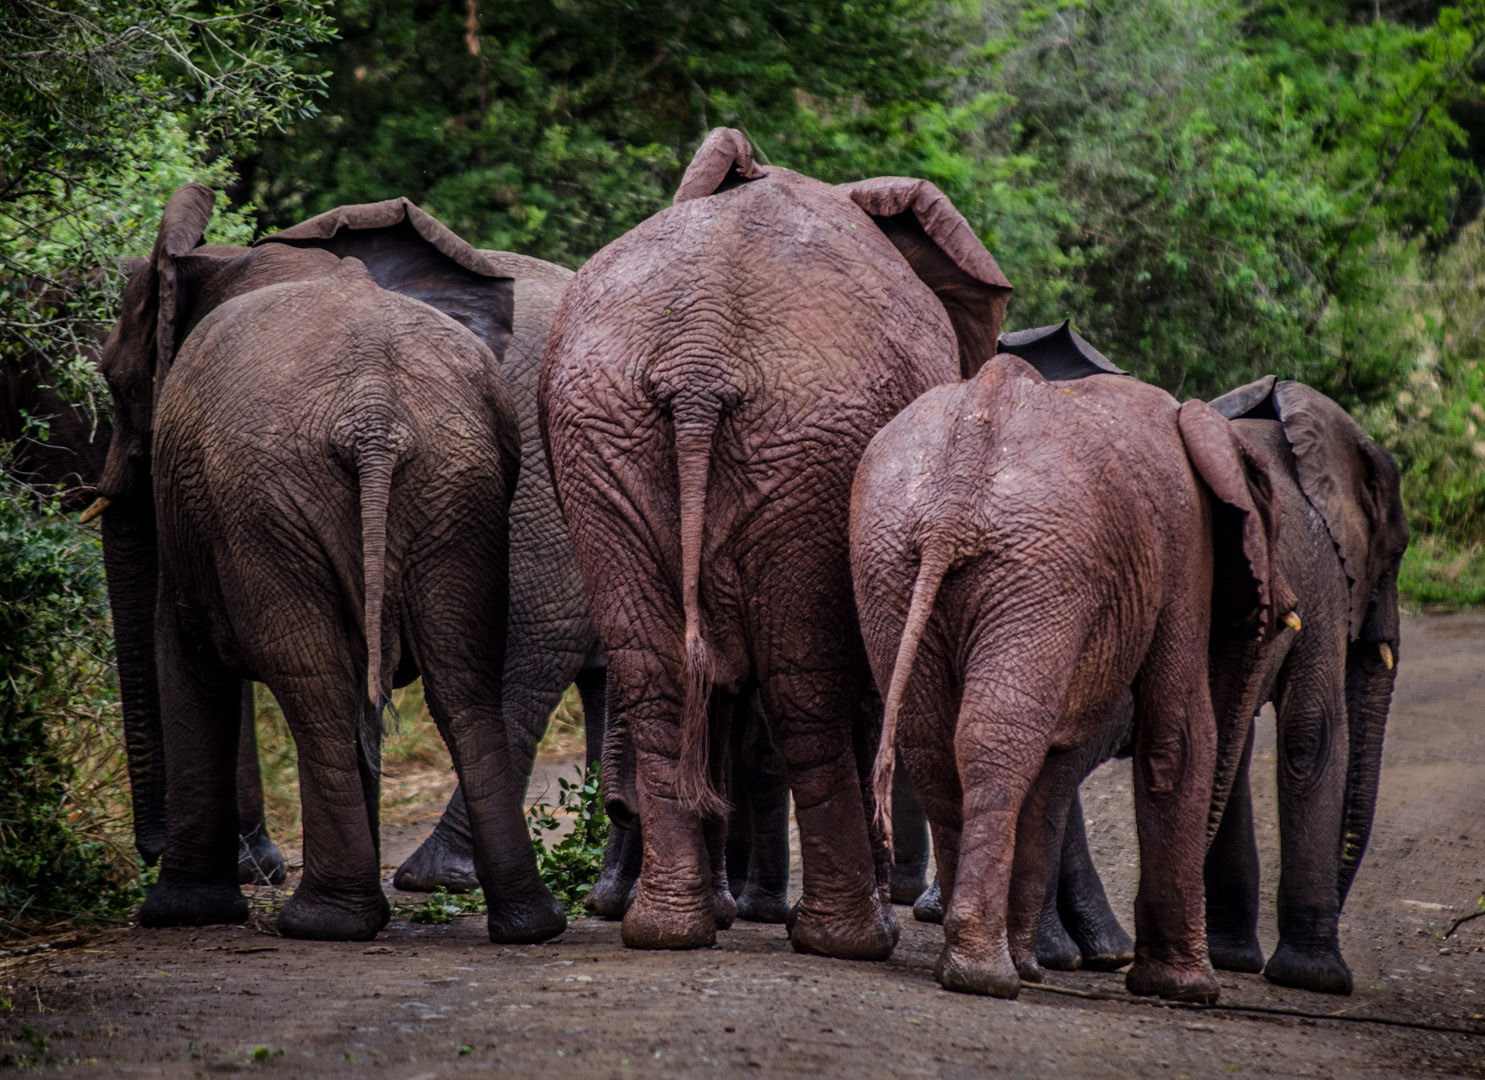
{"x": 1211, "y": 189}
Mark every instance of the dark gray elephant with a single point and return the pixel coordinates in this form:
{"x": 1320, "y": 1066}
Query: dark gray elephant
{"x": 711, "y": 379}
{"x": 551, "y": 641}
{"x": 69, "y": 461}
{"x": 1331, "y": 683}
{"x": 316, "y": 434}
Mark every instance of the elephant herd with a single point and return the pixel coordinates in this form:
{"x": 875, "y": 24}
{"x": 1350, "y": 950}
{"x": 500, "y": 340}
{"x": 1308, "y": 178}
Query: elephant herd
{"x": 767, "y": 481}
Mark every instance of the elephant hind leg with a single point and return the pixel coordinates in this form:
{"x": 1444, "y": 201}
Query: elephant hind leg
{"x": 1174, "y": 757}
{"x": 339, "y": 897}
{"x": 454, "y": 602}
{"x": 1001, "y": 746}
{"x": 842, "y": 912}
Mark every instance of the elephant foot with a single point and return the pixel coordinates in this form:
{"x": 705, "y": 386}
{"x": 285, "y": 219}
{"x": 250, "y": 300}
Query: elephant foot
{"x": 929, "y": 907}
{"x": 445, "y": 860}
{"x": 314, "y": 915}
{"x": 978, "y": 971}
{"x": 724, "y": 907}
{"x": 259, "y": 861}
{"x": 1151, "y": 978}
{"x": 1235, "y": 952}
{"x": 1055, "y": 948}
{"x": 760, "y": 905}
{"x": 649, "y": 924}
{"x": 869, "y": 933}
{"x": 170, "y": 904}
{"x": 525, "y": 922}
{"x": 1105, "y": 948}
{"x": 613, "y": 894}
{"x": 1318, "y": 968}
{"x": 907, "y": 883}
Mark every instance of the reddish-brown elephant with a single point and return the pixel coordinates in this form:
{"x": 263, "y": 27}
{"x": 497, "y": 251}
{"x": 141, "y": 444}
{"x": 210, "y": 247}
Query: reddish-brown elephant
{"x": 1024, "y": 552}
{"x": 711, "y": 380}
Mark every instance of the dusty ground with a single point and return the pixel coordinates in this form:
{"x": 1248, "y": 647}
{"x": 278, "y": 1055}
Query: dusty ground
{"x": 434, "y": 1001}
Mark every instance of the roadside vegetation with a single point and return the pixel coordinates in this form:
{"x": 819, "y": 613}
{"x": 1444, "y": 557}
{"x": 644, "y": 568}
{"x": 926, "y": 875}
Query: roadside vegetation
{"x": 1211, "y": 189}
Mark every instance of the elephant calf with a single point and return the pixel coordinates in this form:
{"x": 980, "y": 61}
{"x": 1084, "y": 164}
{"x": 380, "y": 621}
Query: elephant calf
{"x": 1023, "y": 552}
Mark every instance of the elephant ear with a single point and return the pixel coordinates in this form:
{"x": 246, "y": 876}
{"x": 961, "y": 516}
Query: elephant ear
{"x": 1252, "y": 402}
{"x": 1351, "y": 482}
{"x": 182, "y": 228}
{"x": 943, "y": 250}
{"x": 408, "y": 251}
{"x": 1058, "y": 352}
{"x": 1247, "y": 585}
{"x": 724, "y": 160}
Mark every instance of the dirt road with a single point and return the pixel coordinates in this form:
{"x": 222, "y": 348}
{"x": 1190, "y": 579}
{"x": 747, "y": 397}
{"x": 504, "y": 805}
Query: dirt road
{"x": 439, "y": 1001}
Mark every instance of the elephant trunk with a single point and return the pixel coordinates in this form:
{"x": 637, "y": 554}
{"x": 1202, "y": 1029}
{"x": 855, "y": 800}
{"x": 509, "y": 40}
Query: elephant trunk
{"x": 932, "y": 566}
{"x": 695, "y": 424}
{"x": 131, "y": 565}
{"x": 1370, "y": 675}
{"x": 1237, "y": 677}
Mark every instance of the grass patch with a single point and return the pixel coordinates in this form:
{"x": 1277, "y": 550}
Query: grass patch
{"x": 1439, "y": 576}
{"x": 411, "y": 741}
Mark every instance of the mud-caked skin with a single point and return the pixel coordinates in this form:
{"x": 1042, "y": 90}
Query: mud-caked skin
{"x": 1024, "y": 552}
{"x": 331, "y": 464}
{"x": 710, "y": 382}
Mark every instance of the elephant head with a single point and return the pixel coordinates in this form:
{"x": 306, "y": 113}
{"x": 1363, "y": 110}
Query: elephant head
{"x": 924, "y": 226}
{"x": 167, "y": 295}
{"x": 1353, "y": 485}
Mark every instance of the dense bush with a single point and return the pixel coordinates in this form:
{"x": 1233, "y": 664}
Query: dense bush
{"x": 56, "y": 694}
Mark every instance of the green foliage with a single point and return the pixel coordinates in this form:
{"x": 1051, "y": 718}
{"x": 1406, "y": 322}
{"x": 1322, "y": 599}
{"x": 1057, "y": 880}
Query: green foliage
{"x": 571, "y": 867}
{"x": 443, "y": 906}
{"x": 555, "y": 127}
{"x": 105, "y": 109}
{"x": 1240, "y": 190}
{"x": 53, "y": 676}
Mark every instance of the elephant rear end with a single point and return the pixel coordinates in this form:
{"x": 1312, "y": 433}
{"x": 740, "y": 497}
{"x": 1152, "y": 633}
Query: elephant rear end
{"x": 711, "y": 381}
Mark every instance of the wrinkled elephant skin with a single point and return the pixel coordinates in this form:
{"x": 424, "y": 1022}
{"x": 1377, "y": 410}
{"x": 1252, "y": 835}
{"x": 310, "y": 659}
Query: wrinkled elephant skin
{"x": 710, "y": 382}
{"x": 1023, "y": 553}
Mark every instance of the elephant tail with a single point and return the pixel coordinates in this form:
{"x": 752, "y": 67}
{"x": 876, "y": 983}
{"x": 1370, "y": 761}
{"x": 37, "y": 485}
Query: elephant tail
{"x": 695, "y": 424}
{"x": 933, "y": 564}
{"x": 374, "y": 465}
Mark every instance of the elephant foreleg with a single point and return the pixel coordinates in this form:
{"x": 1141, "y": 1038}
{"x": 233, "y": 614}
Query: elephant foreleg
{"x": 909, "y": 841}
{"x": 1083, "y": 907}
{"x": 1232, "y": 880}
{"x": 200, "y": 705}
{"x": 1313, "y": 749}
{"x": 759, "y": 791}
{"x": 1174, "y": 756}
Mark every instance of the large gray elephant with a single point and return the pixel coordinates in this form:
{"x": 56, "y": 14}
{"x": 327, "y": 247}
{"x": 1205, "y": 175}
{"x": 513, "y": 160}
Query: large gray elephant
{"x": 711, "y": 379}
{"x": 316, "y": 436}
{"x": 1025, "y": 552}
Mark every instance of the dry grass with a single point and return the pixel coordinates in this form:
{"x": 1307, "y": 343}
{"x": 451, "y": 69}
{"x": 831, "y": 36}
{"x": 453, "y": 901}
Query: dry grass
{"x": 414, "y": 757}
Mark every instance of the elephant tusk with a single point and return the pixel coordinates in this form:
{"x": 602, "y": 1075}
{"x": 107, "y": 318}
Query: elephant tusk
{"x": 1292, "y": 621}
{"x": 93, "y": 511}
{"x": 1386, "y": 651}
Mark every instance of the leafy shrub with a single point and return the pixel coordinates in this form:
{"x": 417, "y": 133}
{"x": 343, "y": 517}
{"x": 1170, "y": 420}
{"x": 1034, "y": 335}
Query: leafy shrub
{"x": 571, "y": 867}
{"x": 63, "y": 833}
